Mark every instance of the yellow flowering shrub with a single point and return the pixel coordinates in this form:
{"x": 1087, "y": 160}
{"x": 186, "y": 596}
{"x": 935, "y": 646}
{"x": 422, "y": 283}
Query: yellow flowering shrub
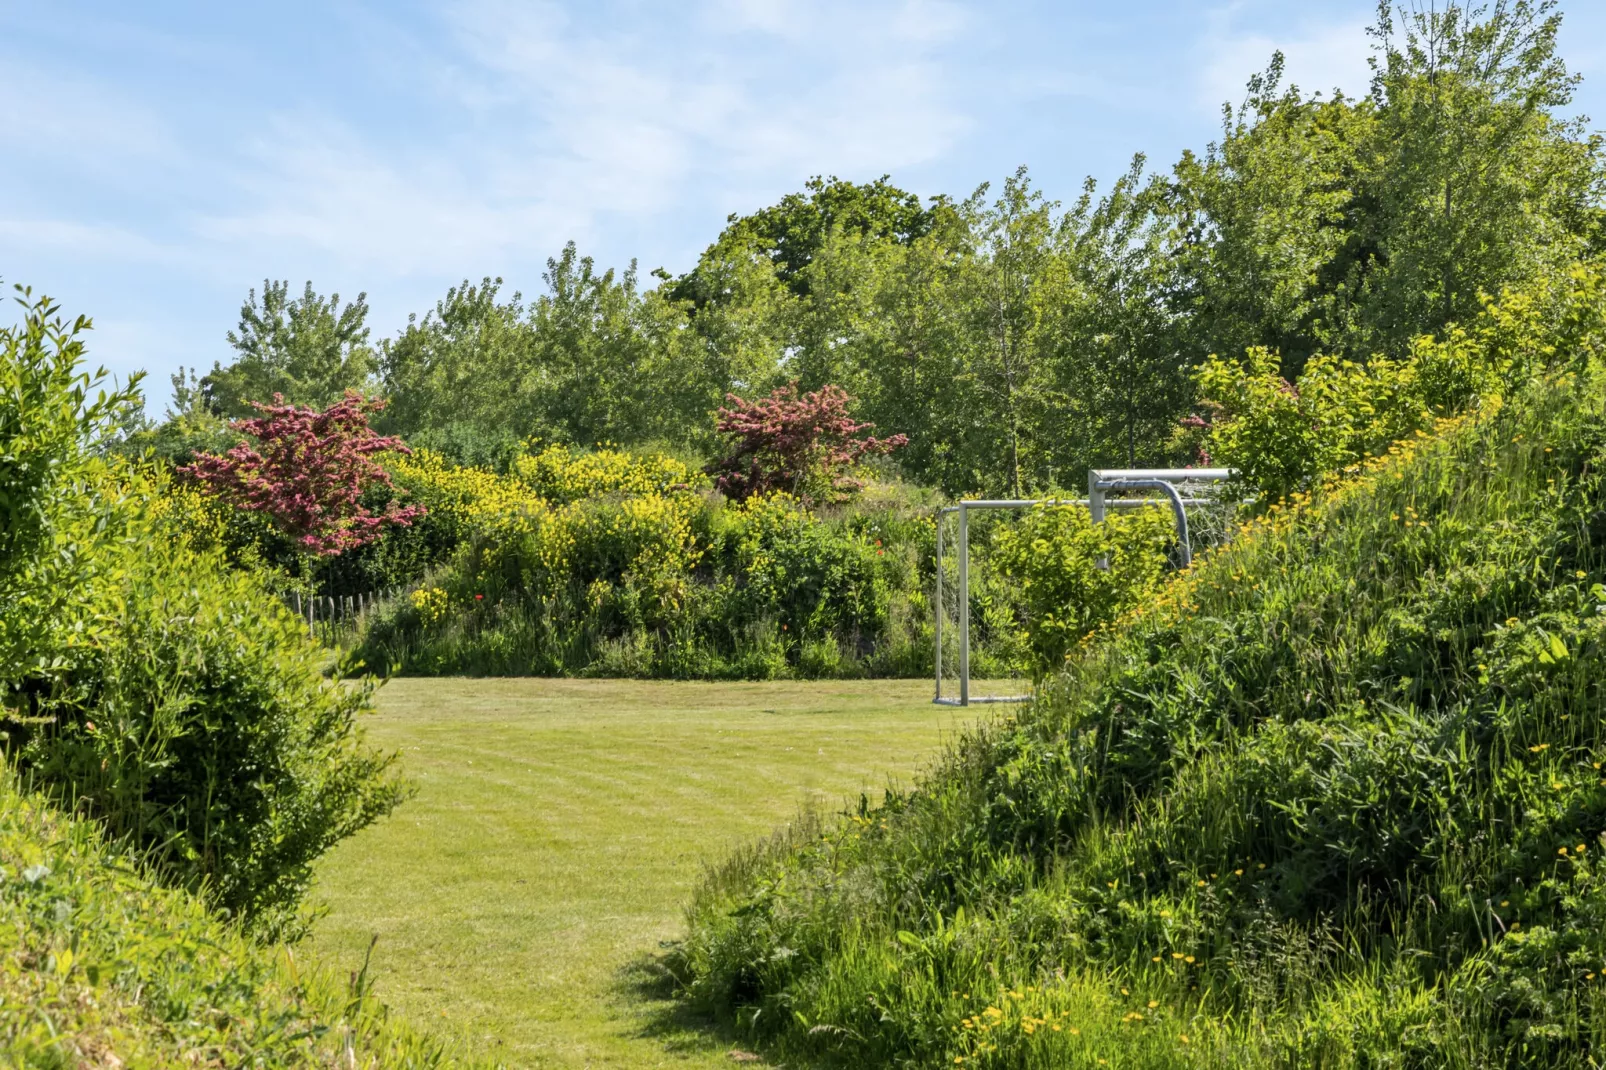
{"x": 198, "y": 517}
{"x": 431, "y": 603}
{"x": 561, "y": 474}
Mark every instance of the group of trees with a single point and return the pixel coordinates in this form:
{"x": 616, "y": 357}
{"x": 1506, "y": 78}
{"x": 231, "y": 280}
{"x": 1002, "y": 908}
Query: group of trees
{"x": 1016, "y": 342}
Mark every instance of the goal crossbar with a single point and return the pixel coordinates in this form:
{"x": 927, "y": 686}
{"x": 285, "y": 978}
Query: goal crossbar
{"x": 1104, "y": 485}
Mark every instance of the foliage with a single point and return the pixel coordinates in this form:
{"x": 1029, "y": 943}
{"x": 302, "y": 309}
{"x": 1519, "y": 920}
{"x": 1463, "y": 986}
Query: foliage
{"x": 1332, "y": 798}
{"x": 148, "y": 683}
{"x": 594, "y": 359}
{"x": 312, "y": 472}
{"x": 188, "y": 711}
{"x": 628, "y": 566}
{"x": 99, "y": 966}
{"x": 560, "y": 474}
{"x": 792, "y": 232}
{"x": 1284, "y": 436}
{"x": 803, "y": 446}
{"x": 1075, "y": 575}
{"x": 47, "y": 418}
{"x": 310, "y": 350}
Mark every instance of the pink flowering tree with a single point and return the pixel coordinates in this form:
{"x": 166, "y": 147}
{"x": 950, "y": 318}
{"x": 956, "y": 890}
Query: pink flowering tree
{"x": 308, "y": 472}
{"x": 805, "y": 445}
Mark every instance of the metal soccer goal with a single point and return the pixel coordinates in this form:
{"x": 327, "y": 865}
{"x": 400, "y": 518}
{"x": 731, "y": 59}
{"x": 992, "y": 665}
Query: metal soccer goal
{"x": 1181, "y": 488}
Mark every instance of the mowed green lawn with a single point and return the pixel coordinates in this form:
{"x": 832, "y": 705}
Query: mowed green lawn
{"x": 560, "y": 825}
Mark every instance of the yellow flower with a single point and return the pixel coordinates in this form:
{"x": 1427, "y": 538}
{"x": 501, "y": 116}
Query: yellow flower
{"x": 1153, "y": 1003}
{"x": 1187, "y": 959}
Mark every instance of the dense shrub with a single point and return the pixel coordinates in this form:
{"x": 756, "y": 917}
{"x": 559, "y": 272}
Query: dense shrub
{"x": 1282, "y": 437}
{"x": 151, "y": 685}
{"x": 1075, "y": 575}
{"x": 1332, "y": 798}
{"x": 626, "y": 564}
{"x": 798, "y": 445}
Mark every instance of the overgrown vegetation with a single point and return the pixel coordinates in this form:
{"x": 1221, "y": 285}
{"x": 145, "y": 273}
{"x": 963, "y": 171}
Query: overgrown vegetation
{"x": 100, "y": 966}
{"x": 619, "y": 564}
{"x": 1333, "y": 798}
{"x": 145, "y": 681}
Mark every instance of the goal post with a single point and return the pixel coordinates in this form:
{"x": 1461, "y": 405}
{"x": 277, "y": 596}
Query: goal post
{"x": 1105, "y": 487}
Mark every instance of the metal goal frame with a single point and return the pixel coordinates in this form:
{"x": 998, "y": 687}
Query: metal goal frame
{"x": 1104, "y": 487}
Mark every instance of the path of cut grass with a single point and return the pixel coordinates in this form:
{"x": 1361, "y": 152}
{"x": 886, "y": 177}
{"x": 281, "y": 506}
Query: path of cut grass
{"x": 558, "y": 829}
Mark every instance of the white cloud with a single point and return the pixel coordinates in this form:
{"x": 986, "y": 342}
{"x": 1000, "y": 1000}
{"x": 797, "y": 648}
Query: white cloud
{"x": 562, "y": 125}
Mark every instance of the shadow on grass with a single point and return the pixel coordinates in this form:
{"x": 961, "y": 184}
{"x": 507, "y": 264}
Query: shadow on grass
{"x": 648, "y": 984}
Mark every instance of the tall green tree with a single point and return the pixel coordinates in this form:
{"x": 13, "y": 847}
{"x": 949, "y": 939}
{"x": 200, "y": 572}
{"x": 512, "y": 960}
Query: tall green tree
{"x": 310, "y": 349}
{"x": 453, "y": 379}
{"x": 1474, "y": 180}
{"x": 792, "y": 231}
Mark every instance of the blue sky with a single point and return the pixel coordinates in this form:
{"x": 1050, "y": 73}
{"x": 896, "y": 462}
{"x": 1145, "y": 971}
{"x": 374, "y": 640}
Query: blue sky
{"x": 163, "y": 158}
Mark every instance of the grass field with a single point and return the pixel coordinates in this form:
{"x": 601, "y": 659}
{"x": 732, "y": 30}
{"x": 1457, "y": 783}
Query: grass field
{"x": 520, "y": 899}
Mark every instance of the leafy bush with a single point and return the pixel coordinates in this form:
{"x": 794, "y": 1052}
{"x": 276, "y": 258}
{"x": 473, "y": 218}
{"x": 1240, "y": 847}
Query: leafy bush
{"x": 803, "y": 446}
{"x": 1284, "y": 436}
{"x": 150, "y": 684}
{"x": 47, "y": 419}
{"x": 631, "y": 567}
{"x": 559, "y": 474}
{"x": 1055, "y": 555}
{"x": 99, "y": 966}
{"x": 311, "y": 474}
{"x": 1334, "y": 797}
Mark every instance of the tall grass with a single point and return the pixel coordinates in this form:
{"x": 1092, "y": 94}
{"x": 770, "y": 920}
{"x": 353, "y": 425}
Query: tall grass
{"x": 1335, "y": 798}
